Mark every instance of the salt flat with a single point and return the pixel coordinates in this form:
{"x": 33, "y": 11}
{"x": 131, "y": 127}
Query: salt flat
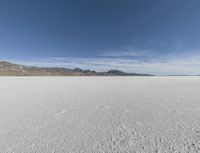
{"x": 99, "y": 114}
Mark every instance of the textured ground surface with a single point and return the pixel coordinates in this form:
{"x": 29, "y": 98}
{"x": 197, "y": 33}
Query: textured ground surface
{"x": 99, "y": 114}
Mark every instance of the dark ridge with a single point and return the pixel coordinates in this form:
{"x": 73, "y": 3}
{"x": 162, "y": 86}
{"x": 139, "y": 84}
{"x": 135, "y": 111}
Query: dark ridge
{"x": 10, "y": 69}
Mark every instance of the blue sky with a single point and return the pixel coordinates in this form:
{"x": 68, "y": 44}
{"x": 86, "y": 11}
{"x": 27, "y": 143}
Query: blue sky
{"x": 157, "y": 36}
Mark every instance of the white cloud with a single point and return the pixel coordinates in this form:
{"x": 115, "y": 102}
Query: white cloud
{"x": 174, "y": 65}
{"x": 127, "y": 52}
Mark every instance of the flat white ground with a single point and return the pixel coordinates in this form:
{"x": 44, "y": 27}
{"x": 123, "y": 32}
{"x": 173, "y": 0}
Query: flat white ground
{"x": 99, "y": 114}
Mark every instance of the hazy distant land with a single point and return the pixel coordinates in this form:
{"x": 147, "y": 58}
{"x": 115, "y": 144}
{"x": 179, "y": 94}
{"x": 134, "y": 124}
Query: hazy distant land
{"x": 10, "y": 69}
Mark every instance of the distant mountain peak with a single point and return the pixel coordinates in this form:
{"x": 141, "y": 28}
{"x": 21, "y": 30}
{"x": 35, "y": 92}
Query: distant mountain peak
{"x": 10, "y": 69}
{"x": 116, "y": 72}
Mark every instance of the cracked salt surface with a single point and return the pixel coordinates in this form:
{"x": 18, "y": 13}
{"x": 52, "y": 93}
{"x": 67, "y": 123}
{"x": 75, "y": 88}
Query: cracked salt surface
{"x": 99, "y": 114}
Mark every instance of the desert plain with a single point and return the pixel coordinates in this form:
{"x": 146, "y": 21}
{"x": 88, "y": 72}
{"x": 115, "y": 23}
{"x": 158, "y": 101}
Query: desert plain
{"x": 99, "y": 114}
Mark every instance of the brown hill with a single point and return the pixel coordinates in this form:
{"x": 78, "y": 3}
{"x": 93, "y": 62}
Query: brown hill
{"x": 10, "y": 69}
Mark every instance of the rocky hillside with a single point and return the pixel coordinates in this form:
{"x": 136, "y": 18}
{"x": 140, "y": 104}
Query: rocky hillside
{"x": 10, "y": 69}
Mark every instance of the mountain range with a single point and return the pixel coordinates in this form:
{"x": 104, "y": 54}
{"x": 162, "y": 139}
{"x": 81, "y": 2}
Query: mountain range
{"x": 10, "y": 69}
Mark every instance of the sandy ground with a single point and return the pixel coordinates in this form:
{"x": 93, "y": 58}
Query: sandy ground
{"x": 99, "y": 114}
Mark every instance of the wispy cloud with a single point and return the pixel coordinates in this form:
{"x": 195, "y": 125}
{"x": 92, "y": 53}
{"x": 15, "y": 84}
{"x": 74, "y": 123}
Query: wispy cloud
{"x": 171, "y": 64}
{"x": 127, "y": 52}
